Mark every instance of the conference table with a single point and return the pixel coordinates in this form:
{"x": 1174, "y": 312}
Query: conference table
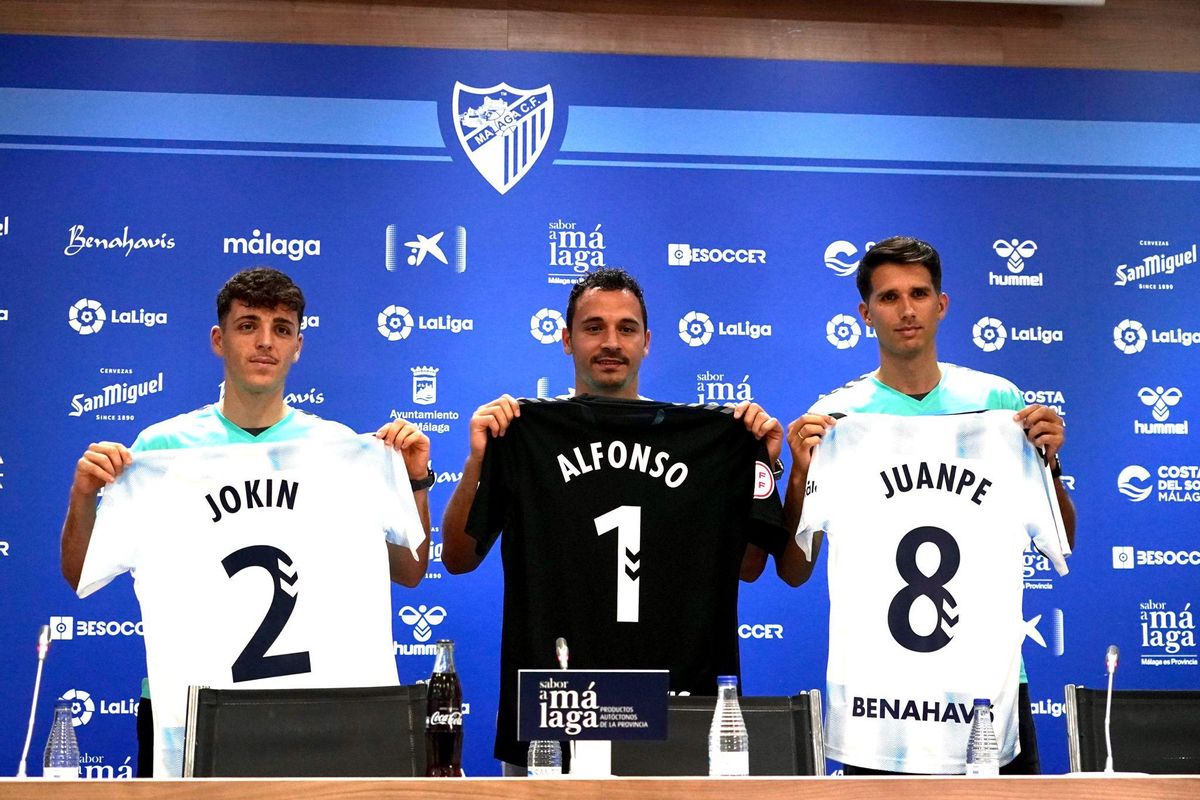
{"x": 840, "y": 788}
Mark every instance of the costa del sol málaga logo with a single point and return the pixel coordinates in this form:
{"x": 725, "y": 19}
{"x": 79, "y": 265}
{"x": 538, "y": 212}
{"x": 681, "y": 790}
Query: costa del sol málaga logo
{"x": 395, "y": 323}
{"x": 1129, "y": 336}
{"x": 695, "y": 328}
{"x": 1130, "y": 482}
{"x": 842, "y": 331}
{"x": 989, "y": 334}
{"x": 87, "y": 316}
{"x": 547, "y": 326}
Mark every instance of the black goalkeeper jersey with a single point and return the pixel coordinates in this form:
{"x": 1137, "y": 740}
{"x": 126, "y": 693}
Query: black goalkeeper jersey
{"x": 625, "y": 523}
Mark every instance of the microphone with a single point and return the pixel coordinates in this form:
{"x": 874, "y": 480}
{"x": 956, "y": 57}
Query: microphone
{"x": 43, "y": 647}
{"x": 1110, "y": 665}
{"x": 561, "y": 652}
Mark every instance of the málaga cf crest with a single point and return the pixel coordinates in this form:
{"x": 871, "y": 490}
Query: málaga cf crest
{"x": 502, "y": 129}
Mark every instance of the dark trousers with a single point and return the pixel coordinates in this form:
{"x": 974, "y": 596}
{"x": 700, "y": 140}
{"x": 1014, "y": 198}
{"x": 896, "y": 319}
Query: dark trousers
{"x": 1026, "y": 763}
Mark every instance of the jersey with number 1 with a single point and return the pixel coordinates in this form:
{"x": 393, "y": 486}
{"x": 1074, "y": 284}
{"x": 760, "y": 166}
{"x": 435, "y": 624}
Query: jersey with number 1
{"x": 624, "y": 525}
{"x": 926, "y": 520}
{"x": 256, "y": 566}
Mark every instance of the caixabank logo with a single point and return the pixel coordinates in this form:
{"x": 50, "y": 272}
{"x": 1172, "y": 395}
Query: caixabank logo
{"x": 1130, "y": 336}
{"x": 87, "y": 316}
{"x": 422, "y": 249}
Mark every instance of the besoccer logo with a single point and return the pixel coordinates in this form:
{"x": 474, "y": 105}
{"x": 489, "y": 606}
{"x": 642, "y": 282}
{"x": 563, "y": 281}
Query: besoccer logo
{"x": 82, "y": 706}
{"x": 87, "y": 316}
{"x": 395, "y": 323}
{"x": 62, "y": 627}
{"x": 842, "y": 331}
{"x": 1129, "y": 336}
{"x": 422, "y": 618}
{"x": 1130, "y": 483}
{"x": 1122, "y": 557}
{"x": 695, "y": 328}
{"x": 989, "y": 334}
{"x": 547, "y": 326}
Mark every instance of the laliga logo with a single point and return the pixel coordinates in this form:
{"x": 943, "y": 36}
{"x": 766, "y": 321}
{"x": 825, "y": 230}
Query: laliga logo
{"x": 1129, "y": 483}
{"x": 1160, "y": 399}
{"x": 395, "y": 323}
{"x": 695, "y": 328}
{"x": 86, "y": 316}
{"x": 82, "y": 706}
{"x": 842, "y": 331}
{"x": 989, "y": 334}
{"x": 1129, "y": 336}
{"x": 547, "y": 326}
{"x": 422, "y": 619}
{"x": 838, "y": 250}
{"x": 1016, "y": 252}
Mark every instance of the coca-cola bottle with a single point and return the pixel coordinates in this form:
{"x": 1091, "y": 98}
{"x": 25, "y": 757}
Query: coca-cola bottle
{"x": 443, "y": 716}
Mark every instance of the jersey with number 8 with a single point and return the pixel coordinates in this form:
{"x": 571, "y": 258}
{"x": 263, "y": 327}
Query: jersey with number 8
{"x": 926, "y": 520}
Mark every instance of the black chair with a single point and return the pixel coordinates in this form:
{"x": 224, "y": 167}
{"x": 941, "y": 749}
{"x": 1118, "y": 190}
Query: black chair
{"x": 785, "y": 738}
{"x": 1157, "y": 732}
{"x": 358, "y": 732}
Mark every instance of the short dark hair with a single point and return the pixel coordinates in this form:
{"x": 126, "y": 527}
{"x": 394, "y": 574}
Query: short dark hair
{"x": 898, "y": 250}
{"x": 606, "y": 280}
{"x": 260, "y": 287}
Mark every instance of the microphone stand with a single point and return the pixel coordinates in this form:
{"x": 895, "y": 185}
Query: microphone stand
{"x": 43, "y": 647}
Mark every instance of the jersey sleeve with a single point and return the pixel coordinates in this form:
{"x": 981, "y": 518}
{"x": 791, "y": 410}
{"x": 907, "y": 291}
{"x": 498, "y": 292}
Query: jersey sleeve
{"x": 113, "y": 547}
{"x": 401, "y": 520}
{"x": 490, "y": 508}
{"x": 817, "y": 495}
{"x": 766, "y": 512}
{"x": 1045, "y": 526}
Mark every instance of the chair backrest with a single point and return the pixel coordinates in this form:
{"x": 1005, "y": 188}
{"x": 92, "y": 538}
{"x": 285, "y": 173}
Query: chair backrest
{"x": 358, "y": 732}
{"x": 1157, "y": 732}
{"x": 785, "y": 738}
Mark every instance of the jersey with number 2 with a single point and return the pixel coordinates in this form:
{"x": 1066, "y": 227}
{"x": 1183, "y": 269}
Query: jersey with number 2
{"x": 926, "y": 520}
{"x": 257, "y": 566}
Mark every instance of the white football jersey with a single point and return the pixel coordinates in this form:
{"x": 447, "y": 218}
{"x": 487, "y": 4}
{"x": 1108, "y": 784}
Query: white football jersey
{"x": 256, "y": 566}
{"x": 926, "y": 519}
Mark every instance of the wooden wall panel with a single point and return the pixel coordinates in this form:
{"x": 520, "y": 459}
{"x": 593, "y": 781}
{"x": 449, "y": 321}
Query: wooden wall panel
{"x": 1122, "y": 34}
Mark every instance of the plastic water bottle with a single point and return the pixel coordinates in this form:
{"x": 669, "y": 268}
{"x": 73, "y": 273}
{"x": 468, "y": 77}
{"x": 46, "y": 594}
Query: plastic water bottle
{"x": 728, "y": 743}
{"x": 983, "y": 752}
{"x": 62, "y": 749}
{"x": 544, "y": 759}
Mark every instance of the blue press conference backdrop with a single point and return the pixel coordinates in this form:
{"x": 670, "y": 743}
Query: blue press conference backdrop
{"x": 136, "y": 176}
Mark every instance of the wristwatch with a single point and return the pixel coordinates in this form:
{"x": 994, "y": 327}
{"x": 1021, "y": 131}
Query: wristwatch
{"x": 418, "y": 484}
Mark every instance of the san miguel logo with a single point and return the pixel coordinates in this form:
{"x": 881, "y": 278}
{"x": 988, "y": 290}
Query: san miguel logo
{"x": 502, "y": 129}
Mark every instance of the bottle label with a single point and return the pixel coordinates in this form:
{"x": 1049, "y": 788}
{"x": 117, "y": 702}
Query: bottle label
{"x": 729, "y": 763}
{"x": 451, "y": 719}
{"x": 544, "y": 772}
{"x": 60, "y": 772}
